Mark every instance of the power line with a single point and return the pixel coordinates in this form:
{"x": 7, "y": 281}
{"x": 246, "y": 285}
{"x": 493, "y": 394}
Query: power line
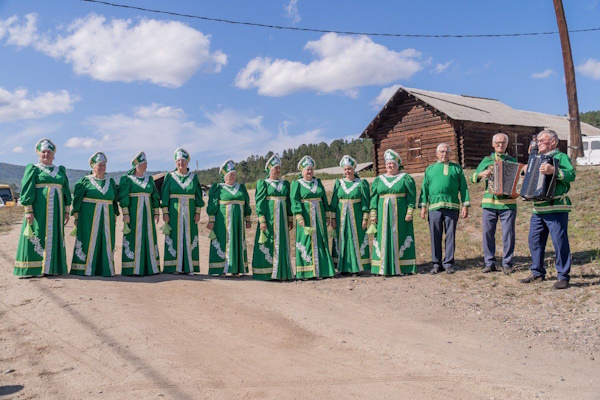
{"x": 293, "y": 28}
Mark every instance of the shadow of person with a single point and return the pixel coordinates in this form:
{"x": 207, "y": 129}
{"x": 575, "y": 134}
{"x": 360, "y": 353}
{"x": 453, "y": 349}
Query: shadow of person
{"x": 10, "y": 389}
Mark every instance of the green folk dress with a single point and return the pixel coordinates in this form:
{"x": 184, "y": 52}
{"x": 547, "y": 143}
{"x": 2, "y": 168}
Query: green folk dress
{"x": 393, "y": 197}
{"x": 309, "y": 204}
{"x": 94, "y": 208}
{"x": 139, "y": 198}
{"x": 228, "y": 208}
{"x": 271, "y": 260}
{"x": 181, "y": 199}
{"x": 350, "y": 204}
{"x": 45, "y": 192}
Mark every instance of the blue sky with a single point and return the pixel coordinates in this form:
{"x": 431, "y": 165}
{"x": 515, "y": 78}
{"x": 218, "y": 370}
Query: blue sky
{"x": 93, "y": 77}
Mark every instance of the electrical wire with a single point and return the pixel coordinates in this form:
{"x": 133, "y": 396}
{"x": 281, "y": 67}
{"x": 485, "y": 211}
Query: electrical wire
{"x": 293, "y": 28}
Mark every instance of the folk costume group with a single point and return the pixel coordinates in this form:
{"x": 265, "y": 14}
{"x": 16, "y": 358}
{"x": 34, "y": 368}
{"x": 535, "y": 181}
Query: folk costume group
{"x": 371, "y": 226}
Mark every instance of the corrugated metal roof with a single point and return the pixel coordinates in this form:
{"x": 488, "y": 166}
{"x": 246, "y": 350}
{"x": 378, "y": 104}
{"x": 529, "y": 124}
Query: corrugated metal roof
{"x": 478, "y": 109}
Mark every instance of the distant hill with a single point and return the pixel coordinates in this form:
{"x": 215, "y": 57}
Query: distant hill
{"x": 591, "y": 117}
{"x": 13, "y": 174}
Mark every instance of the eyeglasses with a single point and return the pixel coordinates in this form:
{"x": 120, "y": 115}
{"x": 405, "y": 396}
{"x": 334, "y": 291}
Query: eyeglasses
{"x": 443, "y": 151}
{"x": 499, "y": 143}
{"x": 543, "y": 141}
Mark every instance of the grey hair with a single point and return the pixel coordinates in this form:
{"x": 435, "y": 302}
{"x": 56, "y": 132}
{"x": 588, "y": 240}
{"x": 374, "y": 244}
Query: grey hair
{"x": 500, "y": 134}
{"x": 549, "y": 132}
{"x": 442, "y": 145}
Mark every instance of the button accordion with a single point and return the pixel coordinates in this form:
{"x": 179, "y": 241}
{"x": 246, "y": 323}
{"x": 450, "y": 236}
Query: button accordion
{"x": 505, "y": 178}
{"x": 538, "y": 186}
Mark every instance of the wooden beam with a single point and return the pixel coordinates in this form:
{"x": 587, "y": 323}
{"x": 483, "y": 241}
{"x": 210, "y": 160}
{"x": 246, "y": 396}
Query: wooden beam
{"x": 575, "y": 150}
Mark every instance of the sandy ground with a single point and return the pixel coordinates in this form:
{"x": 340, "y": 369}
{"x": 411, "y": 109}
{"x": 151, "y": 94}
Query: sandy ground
{"x": 194, "y": 337}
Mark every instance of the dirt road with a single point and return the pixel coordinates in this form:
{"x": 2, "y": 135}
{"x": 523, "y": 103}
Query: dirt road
{"x": 182, "y": 337}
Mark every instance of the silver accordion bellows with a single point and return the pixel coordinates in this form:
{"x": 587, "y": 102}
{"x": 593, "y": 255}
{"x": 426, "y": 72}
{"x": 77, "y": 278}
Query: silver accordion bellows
{"x": 506, "y": 178}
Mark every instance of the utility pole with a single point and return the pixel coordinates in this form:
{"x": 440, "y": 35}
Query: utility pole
{"x": 574, "y": 149}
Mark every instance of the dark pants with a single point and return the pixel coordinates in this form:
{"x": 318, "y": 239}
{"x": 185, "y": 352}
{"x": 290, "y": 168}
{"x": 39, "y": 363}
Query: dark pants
{"x": 489, "y": 219}
{"x": 554, "y": 224}
{"x": 440, "y": 221}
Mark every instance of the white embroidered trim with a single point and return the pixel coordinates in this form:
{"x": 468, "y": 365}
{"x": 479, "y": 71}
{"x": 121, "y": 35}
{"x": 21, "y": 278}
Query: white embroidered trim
{"x": 351, "y": 188}
{"x": 277, "y": 185}
{"x": 78, "y": 250}
{"x": 37, "y": 246}
{"x": 406, "y": 245}
{"x": 303, "y": 253}
{"x": 169, "y": 243}
{"x": 233, "y": 191}
{"x": 94, "y": 182}
{"x": 187, "y": 179}
{"x": 45, "y": 168}
{"x": 141, "y": 183}
{"x": 215, "y": 243}
{"x": 156, "y": 251}
{"x": 194, "y": 242}
{"x": 263, "y": 249}
{"x": 389, "y": 184}
{"x": 308, "y": 186}
{"x": 364, "y": 245}
{"x": 335, "y": 244}
{"x": 127, "y": 249}
{"x": 376, "y": 247}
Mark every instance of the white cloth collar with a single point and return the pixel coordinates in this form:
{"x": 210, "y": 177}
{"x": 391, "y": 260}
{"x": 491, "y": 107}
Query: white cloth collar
{"x": 312, "y": 185}
{"x": 94, "y": 182}
{"x": 233, "y": 189}
{"x": 51, "y": 169}
{"x": 276, "y": 184}
{"x": 141, "y": 182}
{"x": 384, "y": 179}
{"x": 187, "y": 179}
{"x": 349, "y": 190}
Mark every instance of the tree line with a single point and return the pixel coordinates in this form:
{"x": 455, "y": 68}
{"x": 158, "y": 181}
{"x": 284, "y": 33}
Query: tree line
{"x": 325, "y": 155}
{"x": 591, "y": 117}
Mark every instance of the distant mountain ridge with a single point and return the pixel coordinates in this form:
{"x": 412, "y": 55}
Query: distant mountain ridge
{"x": 13, "y": 174}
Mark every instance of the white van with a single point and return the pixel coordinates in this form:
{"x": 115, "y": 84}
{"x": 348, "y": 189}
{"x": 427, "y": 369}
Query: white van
{"x": 591, "y": 151}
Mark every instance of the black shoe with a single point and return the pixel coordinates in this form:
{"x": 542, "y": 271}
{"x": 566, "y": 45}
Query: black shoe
{"x": 489, "y": 268}
{"x": 533, "y": 278}
{"x": 449, "y": 270}
{"x": 434, "y": 271}
{"x": 561, "y": 284}
{"x": 507, "y": 270}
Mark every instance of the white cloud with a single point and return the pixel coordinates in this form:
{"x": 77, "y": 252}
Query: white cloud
{"x": 166, "y": 53}
{"x": 384, "y": 96}
{"x": 542, "y": 75}
{"x": 17, "y": 105}
{"x": 17, "y": 150}
{"x": 590, "y": 68}
{"x": 159, "y": 130}
{"x": 439, "y": 68}
{"x": 342, "y": 63}
{"x": 291, "y": 11}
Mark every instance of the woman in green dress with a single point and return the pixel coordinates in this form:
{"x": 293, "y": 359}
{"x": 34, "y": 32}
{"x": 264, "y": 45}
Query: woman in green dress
{"x": 46, "y": 196}
{"x": 271, "y": 259}
{"x": 228, "y": 212}
{"x": 140, "y": 204}
{"x": 393, "y": 197}
{"x": 181, "y": 198}
{"x": 350, "y": 216}
{"x": 94, "y": 210}
{"x": 309, "y": 205}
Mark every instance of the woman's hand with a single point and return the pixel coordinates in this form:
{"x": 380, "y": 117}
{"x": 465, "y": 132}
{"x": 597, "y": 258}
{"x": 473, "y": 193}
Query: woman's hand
{"x": 66, "y": 218}
{"x": 248, "y": 225}
{"x": 166, "y": 218}
{"x": 423, "y": 211}
{"x": 333, "y": 223}
{"x": 29, "y": 218}
{"x": 156, "y": 219}
{"x": 210, "y": 226}
{"x": 126, "y": 219}
{"x": 408, "y": 217}
{"x": 263, "y": 226}
{"x": 196, "y": 218}
{"x": 365, "y": 224}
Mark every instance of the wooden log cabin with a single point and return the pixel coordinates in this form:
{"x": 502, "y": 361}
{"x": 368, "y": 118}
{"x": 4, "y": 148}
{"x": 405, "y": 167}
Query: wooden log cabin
{"x": 413, "y": 122}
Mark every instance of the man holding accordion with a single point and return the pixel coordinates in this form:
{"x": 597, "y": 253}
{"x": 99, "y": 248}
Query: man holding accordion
{"x": 551, "y": 217}
{"x": 496, "y": 206}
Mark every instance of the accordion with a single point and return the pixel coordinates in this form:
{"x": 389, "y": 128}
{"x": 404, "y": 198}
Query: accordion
{"x": 538, "y": 186}
{"x": 505, "y": 178}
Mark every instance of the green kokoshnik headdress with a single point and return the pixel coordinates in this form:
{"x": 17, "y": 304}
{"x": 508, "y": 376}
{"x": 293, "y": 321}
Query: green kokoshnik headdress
{"x": 273, "y": 161}
{"x": 97, "y": 158}
{"x": 348, "y": 161}
{"x": 305, "y": 162}
{"x": 137, "y": 160}
{"x": 391, "y": 155}
{"x": 181, "y": 153}
{"x": 45, "y": 144}
{"x": 227, "y": 167}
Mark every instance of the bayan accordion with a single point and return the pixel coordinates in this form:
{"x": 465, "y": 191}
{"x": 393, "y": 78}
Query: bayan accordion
{"x": 538, "y": 186}
{"x": 505, "y": 178}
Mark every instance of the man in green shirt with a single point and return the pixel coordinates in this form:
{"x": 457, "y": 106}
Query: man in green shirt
{"x": 496, "y": 207}
{"x": 442, "y": 184}
{"x": 552, "y": 217}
